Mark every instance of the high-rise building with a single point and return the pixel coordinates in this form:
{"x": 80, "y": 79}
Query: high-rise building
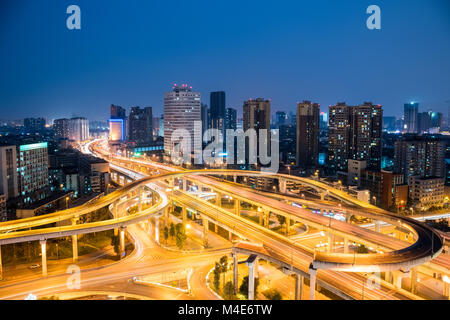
{"x": 182, "y": 107}
{"x": 155, "y": 126}
{"x": 205, "y": 117}
{"x": 355, "y": 133}
{"x": 410, "y": 117}
{"x": 230, "y": 118}
{"x": 32, "y": 169}
{"x": 8, "y": 171}
{"x": 117, "y": 124}
{"x": 280, "y": 118}
{"x": 388, "y": 123}
{"x": 307, "y": 151}
{"x": 426, "y": 192}
{"x": 420, "y": 155}
{"x": 79, "y": 129}
{"x": 217, "y": 111}
{"x": 323, "y": 124}
{"x": 140, "y": 126}
{"x": 34, "y": 124}
{"x": 61, "y": 128}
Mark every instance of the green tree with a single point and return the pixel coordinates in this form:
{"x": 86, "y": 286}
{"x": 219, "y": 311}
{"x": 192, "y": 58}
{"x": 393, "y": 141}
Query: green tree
{"x": 228, "y": 290}
{"x": 180, "y": 235}
{"x": 223, "y": 267}
{"x": 243, "y": 289}
{"x": 115, "y": 242}
{"x": 172, "y": 230}
{"x": 273, "y": 294}
{"x": 217, "y": 276}
{"x": 281, "y": 219}
{"x": 166, "y": 233}
{"x": 362, "y": 249}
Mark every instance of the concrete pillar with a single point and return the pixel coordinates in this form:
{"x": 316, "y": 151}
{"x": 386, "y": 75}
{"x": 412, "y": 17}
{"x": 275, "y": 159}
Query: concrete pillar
{"x": 184, "y": 184}
{"x": 184, "y": 214}
{"x": 322, "y": 196}
{"x": 44, "y": 256}
{"x": 153, "y": 198}
{"x": 74, "y": 243}
{"x": 149, "y": 226}
{"x": 234, "y": 178}
{"x": 377, "y": 226}
{"x": 166, "y": 216}
{"x": 345, "y": 245}
{"x": 446, "y": 290}
{"x": 251, "y": 276}
{"x": 235, "y": 272}
{"x": 115, "y": 215}
{"x": 230, "y": 236}
{"x": 1, "y": 265}
{"x": 388, "y": 277}
{"x": 122, "y": 240}
{"x": 330, "y": 242}
{"x": 261, "y": 218}
{"x": 205, "y": 232}
{"x": 348, "y": 217}
{"x": 312, "y": 283}
{"x": 266, "y": 219}
{"x": 157, "y": 230}
{"x": 170, "y": 182}
{"x": 299, "y": 279}
{"x": 218, "y": 201}
{"x": 237, "y": 207}
{"x": 216, "y": 228}
{"x": 397, "y": 278}
{"x": 282, "y": 185}
{"x": 413, "y": 280}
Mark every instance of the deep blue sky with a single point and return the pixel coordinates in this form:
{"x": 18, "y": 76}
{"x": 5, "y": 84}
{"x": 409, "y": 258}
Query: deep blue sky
{"x": 130, "y": 52}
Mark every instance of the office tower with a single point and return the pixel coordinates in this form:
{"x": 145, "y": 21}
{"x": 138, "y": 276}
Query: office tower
{"x": 355, "y": 133}
{"x": 79, "y": 129}
{"x": 217, "y": 111}
{"x": 155, "y": 126}
{"x": 8, "y": 171}
{"x": 436, "y": 120}
{"x": 161, "y": 126}
{"x": 34, "y": 124}
{"x": 280, "y": 118}
{"x": 205, "y": 117}
{"x": 423, "y": 122}
{"x": 388, "y": 123}
{"x": 307, "y": 151}
{"x": 230, "y": 118}
{"x": 61, "y": 128}
{"x": 182, "y": 107}
{"x": 426, "y": 192}
{"x": 117, "y": 124}
{"x": 422, "y": 156}
{"x": 32, "y": 169}
{"x": 140, "y": 126}
{"x": 410, "y": 117}
{"x": 288, "y": 136}
{"x": 323, "y": 124}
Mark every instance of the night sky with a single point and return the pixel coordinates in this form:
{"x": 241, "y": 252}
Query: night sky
{"x": 130, "y": 52}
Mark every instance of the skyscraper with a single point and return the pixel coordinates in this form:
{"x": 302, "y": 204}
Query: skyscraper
{"x": 140, "y": 126}
{"x": 230, "y": 118}
{"x": 61, "y": 128}
{"x": 355, "y": 133}
{"x": 257, "y": 116}
{"x": 410, "y": 117}
{"x": 34, "y": 124}
{"x": 307, "y": 149}
{"x": 182, "y": 107}
{"x": 79, "y": 129}
{"x": 8, "y": 171}
{"x": 280, "y": 118}
{"x": 117, "y": 124}
{"x": 205, "y": 117}
{"x": 422, "y": 156}
{"x": 217, "y": 111}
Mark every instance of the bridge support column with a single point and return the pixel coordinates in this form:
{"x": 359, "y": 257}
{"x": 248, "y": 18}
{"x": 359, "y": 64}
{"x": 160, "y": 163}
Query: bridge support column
{"x": 140, "y": 196}
{"x": 322, "y": 196}
{"x": 299, "y": 279}
{"x": 205, "y": 232}
{"x": 252, "y": 265}
{"x": 153, "y": 198}
{"x": 218, "y": 200}
{"x": 216, "y": 228}
{"x": 44, "y": 256}
{"x": 184, "y": 214}
{"x": 149, "y": 226}
{"x": 388, "y": 277}
{"x": 157, "y": 230}
{"x": 282, "y": 185}
{"x": 330, "y": 242}
{"x": 74, "y": 243}
{"x": 397, "y": 278}
{"x": 235, "y": 272}
{"x": 345, "y": 245}
{"x": 115, "y": 215}
{"x": 377, "y": 226}
{"x": 166, "y": 216}
{"x": 312, "y": 282}
{"x": 237, "y": 206}
{"x": 348, "y": 217}
{"x": 122, "y": 241}
{"x": 288, "y": 225}
{"x": 230, "y": 236}
{"x": 266, "y": 219}
{"x": 446, "y": 290}
{"x": 234, "y": 178}
{"x": 1, "y": 264}
{"x": 170, "y": 182}
{"x": 184, "y": 184}
{"x": 413, "y": 280}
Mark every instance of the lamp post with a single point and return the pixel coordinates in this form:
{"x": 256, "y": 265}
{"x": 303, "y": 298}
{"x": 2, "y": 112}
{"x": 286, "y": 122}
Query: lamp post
{"x": 67, "y": 202}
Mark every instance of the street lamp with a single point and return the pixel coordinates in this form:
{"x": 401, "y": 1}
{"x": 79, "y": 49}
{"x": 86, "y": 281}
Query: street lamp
{"x": 67, "y": 202}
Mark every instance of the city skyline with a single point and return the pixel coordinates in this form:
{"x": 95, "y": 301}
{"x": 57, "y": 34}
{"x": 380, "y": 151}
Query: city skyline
{"x": 83, "y": 72}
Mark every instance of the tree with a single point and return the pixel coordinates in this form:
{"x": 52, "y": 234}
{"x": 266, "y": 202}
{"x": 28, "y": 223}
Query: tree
{"x": 281, "y": 219}
{"x": 172, "y": 230}
{"x": 273, "y": 294}
{"x": 223, "y": 267}
{"x": 362, "y": 249}
{"x": 217, "y": 276}
{"x": 115, "y": 242}
{"x": 180, "y": 235}
{"x": 228, "y": 289}
{"x": 243, "y": 289}
{"x": 166, "y": 233}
